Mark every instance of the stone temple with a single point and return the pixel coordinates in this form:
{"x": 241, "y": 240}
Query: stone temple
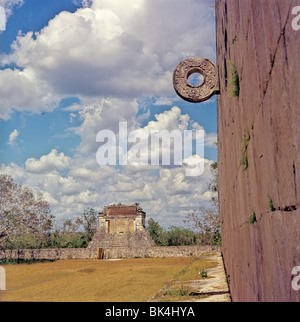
{"x": 121, "y": 229}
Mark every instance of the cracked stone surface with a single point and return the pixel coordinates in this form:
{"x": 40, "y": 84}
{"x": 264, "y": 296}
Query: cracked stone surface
{"x": 258, "y": 38}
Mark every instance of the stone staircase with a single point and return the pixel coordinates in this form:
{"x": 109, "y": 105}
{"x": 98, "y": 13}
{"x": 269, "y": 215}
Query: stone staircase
{"x": 121, "y": 240}
{"x": 120, "y": 245}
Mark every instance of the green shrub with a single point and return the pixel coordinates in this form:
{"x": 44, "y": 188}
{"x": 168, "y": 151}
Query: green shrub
{"x": 233, "y": 82}
{"x": 271, "y": 206}
{"x": 183, "y": 291}
{"x": 252, "y": 219}
{"x": 203, "y": 273}
{"x": 24, "y": 261}
{"x": 245, "y": 144}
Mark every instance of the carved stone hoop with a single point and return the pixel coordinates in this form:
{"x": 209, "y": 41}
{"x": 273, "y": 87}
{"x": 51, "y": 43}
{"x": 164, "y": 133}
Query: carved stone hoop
{"x": 203, "y": 92}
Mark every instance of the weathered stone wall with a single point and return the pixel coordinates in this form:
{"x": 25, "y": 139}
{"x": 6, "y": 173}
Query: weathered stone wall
{"x": 181, "y": 251}
{"x": 66, "y": 253}
{"x": 140, "y": 239}
{"x": 261, "y": 245}
{"x": 122, "y": 219}
{"x": 159, "y": 252}
{"x": 114, "y": 252}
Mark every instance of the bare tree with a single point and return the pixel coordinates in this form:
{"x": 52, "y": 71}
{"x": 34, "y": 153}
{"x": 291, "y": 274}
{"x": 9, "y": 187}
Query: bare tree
{"x": 2, "y": 235}
{"x": 89, "y": 221}
{"x": 71, "y": 226}
{"x": 206, "y": 220}
{"x": 24, "y": 216}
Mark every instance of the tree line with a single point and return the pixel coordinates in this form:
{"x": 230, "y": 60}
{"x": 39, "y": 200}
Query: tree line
{"x": 204, "y": 223}
{"x": 181, "y": 236}
{"x": 26, "y": 222}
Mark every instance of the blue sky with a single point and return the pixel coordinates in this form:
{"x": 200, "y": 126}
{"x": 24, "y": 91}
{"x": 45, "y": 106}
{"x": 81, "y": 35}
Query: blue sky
{"x": 32, "y": 15}
{"x": 69, "y": 69}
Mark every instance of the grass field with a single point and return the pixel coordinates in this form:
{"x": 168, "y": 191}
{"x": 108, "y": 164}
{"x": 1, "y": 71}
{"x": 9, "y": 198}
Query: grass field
{"x": 128, "y": 280}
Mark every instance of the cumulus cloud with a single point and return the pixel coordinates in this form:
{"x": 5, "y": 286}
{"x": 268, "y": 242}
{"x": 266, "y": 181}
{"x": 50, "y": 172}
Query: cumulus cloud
{"x": 169, "y": 120}
{"x": 94, "y": 55}
{"x": 124, "y": 49}
{"x": 58, "y": 185}
{"x": 13, "y": 138}
{"x": 110, "y": 55}
{"x": 72, "y": 185}
{"x": 104, "y": 114}
{"x": 22, "y": 90}
{"x": 167, "y": 133}
{"x": 83, "y": 197}
{"x": 47, "y": 163}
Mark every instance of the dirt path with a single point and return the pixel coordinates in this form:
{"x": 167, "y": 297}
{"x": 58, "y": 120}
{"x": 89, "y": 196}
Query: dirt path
{"x": 214, "y": 288}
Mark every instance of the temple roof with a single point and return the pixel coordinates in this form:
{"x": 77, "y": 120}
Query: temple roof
{"x": 122, "y": 210}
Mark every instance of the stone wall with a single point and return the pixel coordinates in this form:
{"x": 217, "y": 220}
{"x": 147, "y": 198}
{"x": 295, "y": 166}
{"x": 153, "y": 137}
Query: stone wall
{"x": 109, "y": 253}
{"x": 122, "y": 219}
{"x": 260, "y": 199}
{"x": 159, "y": 252}
{"x": 140, "y": 239}
{"x": 67, "y": 253}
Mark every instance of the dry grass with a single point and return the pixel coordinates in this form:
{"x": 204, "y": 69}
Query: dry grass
{"x": 128, "y": 280}
{"x": 179, "y": 289}
{"x": 192, "y": 271}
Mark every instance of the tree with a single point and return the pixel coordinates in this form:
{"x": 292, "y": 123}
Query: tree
{"x": 25, "y": 218}
{"x": 71, "y": 226}
{"x": 2, "y": 235}
{"x": 207, "y": 218}
{"x": 174, "y": 236}
{"x": 76, "y": 232}
{"x": 89, "y": 222}
{"x": 157, "y": 232}
{"x": 180, "y": 237}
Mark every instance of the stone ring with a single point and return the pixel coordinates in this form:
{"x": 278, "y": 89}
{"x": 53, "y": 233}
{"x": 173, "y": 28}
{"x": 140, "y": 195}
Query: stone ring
{"x": 202, "y": 92}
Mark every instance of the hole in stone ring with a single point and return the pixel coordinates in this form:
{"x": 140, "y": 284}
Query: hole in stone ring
{"x": 195, "y": 78}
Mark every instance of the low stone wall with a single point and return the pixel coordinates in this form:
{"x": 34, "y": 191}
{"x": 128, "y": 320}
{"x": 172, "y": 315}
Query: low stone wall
{"x": 181, "y": 251}
{"x": 109, "y": 253}
{"x": 67, "y": 253}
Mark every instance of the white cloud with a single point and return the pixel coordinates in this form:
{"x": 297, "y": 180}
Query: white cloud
{"x": 9, "y": 5}
{"x": 109, "y": 54}
{"x": 169, "y": 28}
{"x": 13, "y": 138}
{"x": 49, "y": 198}
{"x": 83, "y": 197}
{"x": 169, "y": 120}
{"x": 6, "y": 8}
{"x": 211, "y": 139}
{"x": 71, "y": 185}
{"x": 124, "y": 49}
{"x": 143, "y": 195}
{"x": 94, "y": 55}
{"x": 47, "y": 163}
{"x": 161, "y": 100}
{"x": 2, "y": 19}
{"x": 83, "y": 3}
{"x": 104, "y": 114}
{"x": 58, "y": 185}
{"x": 165, "y": 194}
{"x": 23, "y": 91}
